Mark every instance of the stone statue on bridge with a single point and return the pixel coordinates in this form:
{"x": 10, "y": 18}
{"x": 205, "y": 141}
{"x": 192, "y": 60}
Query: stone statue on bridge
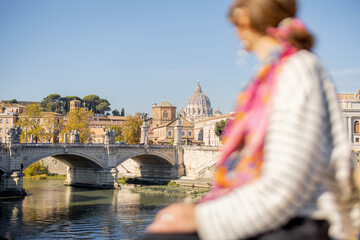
{"x": 75, "y": 136}
{"x": 110, "y": 136}
{"x": 13, "y": 135}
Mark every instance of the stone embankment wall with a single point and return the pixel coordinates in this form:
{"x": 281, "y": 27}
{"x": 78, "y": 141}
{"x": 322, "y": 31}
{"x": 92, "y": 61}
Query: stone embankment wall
{"x": 55, "y": 166}
{"x": 200, "y": 161}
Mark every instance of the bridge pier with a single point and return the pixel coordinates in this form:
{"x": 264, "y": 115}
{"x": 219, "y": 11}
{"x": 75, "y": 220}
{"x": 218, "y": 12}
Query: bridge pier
{"x": 91, "y": 177}
{"x": 11, "y": 184}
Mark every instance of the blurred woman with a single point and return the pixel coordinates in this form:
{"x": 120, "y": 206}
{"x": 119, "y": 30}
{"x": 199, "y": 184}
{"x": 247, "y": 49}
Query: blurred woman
{"x": 285, "y": 167}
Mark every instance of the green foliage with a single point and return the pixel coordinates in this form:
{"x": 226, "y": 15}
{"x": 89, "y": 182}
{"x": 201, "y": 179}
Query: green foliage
{"x": 220, "y": 127}
{"x": 122, "y": 112}
{"x": 173, "y": 184}
{"x": 34, "y": 169}
{"x": 115, "y": 112}
{"x": 13, "y": 101}
{"x": 171, "y": 142}
{"x": 58, "y": 104}
{"x": 103, "y": 107}
{"x": 79, "y": 120}
{"x": 96, "y": 104}
{"x": 123, "y": 180}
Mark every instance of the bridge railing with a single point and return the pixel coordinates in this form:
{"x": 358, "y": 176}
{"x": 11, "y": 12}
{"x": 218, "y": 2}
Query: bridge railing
{"x": 54, "y": 145}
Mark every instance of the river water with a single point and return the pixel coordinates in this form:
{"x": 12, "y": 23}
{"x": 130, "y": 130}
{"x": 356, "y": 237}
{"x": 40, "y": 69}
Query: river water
{"x": 54, "y": 211}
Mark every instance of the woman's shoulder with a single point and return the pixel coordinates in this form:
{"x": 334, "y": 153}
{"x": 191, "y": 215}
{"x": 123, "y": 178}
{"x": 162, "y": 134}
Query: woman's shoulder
{"x": 299, "y": 77}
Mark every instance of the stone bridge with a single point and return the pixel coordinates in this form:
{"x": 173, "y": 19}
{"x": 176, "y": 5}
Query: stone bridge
{"x": 91, "y": 165}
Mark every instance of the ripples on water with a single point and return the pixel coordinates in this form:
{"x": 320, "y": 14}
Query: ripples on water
{"x": 54, "y": 211}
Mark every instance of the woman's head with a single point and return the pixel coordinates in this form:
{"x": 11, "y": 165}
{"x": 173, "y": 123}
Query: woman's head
{"x": 265, "y": 14}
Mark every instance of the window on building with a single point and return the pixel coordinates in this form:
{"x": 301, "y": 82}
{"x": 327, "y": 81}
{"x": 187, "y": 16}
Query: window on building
{"x": 1, "y": 130}
{"x": 1, "y": 121}
{"x": 1, "y": 139}
{"x": 183, "y": 133}
{"x": 169, "y": 133}
{"x": 190, "y": 133}
{"x": 357, "y": 140}
{"x": 7, "y": 121}
{"x": 165, "y": 114}
{"x": 356, "y": 127}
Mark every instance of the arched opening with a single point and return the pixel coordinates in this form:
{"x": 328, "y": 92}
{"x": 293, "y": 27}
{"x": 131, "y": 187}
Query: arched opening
{"x": 201, "y": 135}
{"x": 165, "y": 114}
{"x": 356, "y": 127}
{"x": 74, "y": 170}
{"x": 147, "y": 166}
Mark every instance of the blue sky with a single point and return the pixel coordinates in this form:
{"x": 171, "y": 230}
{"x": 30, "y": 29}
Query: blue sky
{"x": 135, "y": 52}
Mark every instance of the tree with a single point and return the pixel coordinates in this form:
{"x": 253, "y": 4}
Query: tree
{"x": 119, "y": 133}
{"x": 52, "y": 103}
{"x": 30, "y": 122}
{"x": 103, "y": 107}
{"x": 79, "y": 120}
{"x": 132, "y": 129}
{"x": 53, "y": 127}
{"x": 91, "y": 101}
{"x": 220, "y": 127}
{"x": 122, "y": 112}
{"x": 115, "y": 112}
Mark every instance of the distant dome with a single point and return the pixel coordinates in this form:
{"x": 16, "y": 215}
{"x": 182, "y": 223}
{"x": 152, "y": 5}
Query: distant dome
{"x": 198, "y": 106}
{"x": 217, "y": 112}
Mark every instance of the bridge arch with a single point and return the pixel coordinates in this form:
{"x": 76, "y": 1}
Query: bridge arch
{"x": 151, "y": 165}
{"x": 146, "y": 158}
{"x": 74, "y": 159}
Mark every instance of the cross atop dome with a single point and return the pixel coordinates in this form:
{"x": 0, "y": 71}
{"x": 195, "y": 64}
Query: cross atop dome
{"x": 198, "y": 88}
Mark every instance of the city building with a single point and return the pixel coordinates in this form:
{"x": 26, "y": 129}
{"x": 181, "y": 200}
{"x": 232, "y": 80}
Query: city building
{"x": 204, "y": 130}
{"x": 74, "y": 104}
{"x": 99, "y": 124}
{"x": 162, "y": 124}
{"x": 350, "y": 105}
{"x": 7, "y": 120}
{"x": 163, "y": 113}
{"x": 198, "y": 106}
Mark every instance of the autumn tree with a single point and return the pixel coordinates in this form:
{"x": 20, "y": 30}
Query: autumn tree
{"x": 30, "y": 122}
{"x": 132, "y": 129}
{"x": 53, "y": 126}
{"x": 79, "y": 120}
{"x": 119, "y": 133}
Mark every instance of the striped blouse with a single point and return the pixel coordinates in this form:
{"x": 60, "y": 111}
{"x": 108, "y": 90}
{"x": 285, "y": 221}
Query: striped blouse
{"x": 306, "y": 170}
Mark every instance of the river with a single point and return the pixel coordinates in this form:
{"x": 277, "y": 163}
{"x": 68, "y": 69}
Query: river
{"x": 54, "y": 211}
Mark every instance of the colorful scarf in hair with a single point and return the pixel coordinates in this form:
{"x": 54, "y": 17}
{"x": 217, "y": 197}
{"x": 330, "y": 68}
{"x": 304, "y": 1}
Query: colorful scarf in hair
{"x": 241, "y": 156}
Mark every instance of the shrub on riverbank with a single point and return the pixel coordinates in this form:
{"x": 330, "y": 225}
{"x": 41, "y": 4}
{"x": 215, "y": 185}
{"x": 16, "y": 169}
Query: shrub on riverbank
{"x": 36, "y": 169}
{"x": 123, "y": 180}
